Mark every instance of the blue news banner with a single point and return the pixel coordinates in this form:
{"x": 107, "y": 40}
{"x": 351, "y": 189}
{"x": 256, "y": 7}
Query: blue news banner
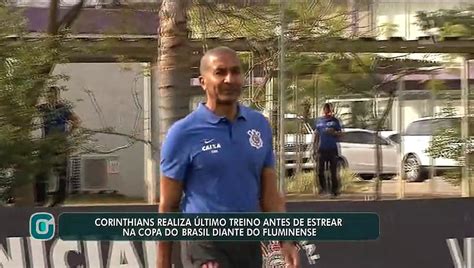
{"x": 219, "y": 227}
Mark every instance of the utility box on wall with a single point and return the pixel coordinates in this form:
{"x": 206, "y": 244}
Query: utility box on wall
{"x": 95, "y": 173}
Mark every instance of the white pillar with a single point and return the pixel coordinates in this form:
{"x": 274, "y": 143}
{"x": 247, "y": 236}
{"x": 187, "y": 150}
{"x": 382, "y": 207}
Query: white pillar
{"x": 400, "y": 117}
{"x": 465, "y": 185}
{"x": 282, "y": 99}
{"x": 150, "y": 173}
{"x": 269, "y": 97}
{"x": 431, "y": 102}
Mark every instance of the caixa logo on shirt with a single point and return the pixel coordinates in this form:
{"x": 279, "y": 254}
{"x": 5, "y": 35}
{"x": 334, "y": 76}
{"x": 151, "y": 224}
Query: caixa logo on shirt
{"x": 210, "y": 145}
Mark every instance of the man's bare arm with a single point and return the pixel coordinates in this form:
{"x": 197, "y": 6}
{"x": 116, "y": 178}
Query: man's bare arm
{"x": 75, "y": 121}
{"x": 170, "y": 197}
{"x": 272, "y": 199}
{"x": 315, "y": 142}
{"x": 337, "y": 133}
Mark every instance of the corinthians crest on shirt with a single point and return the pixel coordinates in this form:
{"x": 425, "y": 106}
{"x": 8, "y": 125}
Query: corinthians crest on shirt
{"x": 255, "y": 138}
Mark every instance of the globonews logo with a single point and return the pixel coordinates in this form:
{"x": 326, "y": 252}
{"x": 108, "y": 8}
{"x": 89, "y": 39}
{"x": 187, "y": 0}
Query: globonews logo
{"x": 42, "y": 226}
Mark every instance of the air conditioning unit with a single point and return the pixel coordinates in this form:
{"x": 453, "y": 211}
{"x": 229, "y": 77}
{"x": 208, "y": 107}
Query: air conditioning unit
{"x": 94, "y": 173}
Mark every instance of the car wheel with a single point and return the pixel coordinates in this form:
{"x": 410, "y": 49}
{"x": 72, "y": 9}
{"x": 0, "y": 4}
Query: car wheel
{"x": 290, "y": 173}
{"x": 412, "y": 169}
{"x": 366, "y": 177}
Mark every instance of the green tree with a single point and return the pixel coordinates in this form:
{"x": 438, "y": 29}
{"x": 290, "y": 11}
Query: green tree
{"x": 26, "y": 69}
{"x": 25, "y": 74}
{"x": 447, "y": 143}
{"x": 258, "y": 26}
{"x": 450, "y": 22}
{"x": 389, "y": 29}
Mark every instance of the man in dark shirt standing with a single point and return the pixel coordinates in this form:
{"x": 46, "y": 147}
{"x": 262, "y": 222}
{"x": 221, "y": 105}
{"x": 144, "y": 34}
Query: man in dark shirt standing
{"x": 58, "y": 121}
{"x": 326, "y": 150}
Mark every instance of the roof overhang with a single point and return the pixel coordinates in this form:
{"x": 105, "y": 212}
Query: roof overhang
{"x": 144, "y": 48}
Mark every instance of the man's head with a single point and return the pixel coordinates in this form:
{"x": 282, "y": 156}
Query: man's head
{"x": 53, "y": 94}
{"x": 327, "y": 109}
{"x": 221, "y": 75}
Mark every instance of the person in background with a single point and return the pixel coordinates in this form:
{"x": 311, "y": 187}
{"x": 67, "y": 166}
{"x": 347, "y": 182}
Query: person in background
{"x": 221, "y": 157}
{"x": 326, "y": 149}
{"x": 58, "y": 121}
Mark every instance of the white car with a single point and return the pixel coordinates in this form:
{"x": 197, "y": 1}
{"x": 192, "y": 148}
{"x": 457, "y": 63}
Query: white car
{"x": 357, "y": 150}
{"x": 357, "y": 147}
{"x": 393, "y": 136}
{"x": 416, "y": 140}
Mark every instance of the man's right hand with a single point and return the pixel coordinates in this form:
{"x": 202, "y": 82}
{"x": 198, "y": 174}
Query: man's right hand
{"x": 164, "y": 254}
{"x": 171, "y": 191}
{"x": 291, "y": 255}
{"x": 330, "y": 130}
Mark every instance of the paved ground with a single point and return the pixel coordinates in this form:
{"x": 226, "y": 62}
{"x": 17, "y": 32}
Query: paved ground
{"x": 436, "y": 188}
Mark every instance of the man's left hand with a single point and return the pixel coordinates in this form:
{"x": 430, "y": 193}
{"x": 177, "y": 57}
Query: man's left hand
{"x": 290, "y": 253}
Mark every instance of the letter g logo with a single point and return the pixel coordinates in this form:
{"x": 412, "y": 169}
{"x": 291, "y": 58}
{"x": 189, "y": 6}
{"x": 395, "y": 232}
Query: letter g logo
{"x": 42, "y": 226}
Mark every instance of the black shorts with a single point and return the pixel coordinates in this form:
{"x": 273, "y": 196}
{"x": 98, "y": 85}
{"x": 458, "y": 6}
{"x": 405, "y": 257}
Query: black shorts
{"x": 227, "y": 254}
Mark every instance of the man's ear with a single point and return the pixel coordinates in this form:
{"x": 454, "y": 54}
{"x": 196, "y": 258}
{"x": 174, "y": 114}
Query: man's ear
{"x": 202, "y": 82}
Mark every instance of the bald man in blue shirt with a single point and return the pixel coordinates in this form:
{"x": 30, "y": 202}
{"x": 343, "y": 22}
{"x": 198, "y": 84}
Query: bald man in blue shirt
{"x": 221, "y": 158}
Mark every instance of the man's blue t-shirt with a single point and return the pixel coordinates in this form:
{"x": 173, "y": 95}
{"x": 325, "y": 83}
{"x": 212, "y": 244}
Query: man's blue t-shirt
{"x": 55, "y": 118}
{"x": 327, "y": 141}
{"x": 219, "y": 162}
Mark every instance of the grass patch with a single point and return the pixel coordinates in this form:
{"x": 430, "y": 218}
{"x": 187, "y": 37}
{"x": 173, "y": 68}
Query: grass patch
{"x": 302, "y": 183}
{"x": 453, "y": 177}
{"x": 351, "y": 183}
{"x": 305, "y": 183}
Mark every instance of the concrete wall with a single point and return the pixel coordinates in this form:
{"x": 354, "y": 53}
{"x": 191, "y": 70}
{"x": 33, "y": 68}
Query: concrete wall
{"x": 112, "y": 87}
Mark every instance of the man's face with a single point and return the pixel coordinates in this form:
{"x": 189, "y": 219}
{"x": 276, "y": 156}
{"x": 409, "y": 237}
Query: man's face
{"x": 327, "y": 111}
{"x": 53, "y": 96}
{"x": 222, "y": 80}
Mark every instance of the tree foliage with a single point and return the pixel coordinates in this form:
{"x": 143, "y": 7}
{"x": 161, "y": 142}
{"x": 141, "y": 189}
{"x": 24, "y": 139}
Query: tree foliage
{"x": 21, "y": 71}
{"x": 448, "y": 143}
{"x": 254, "y": 24}
{"x": 450, "y": 22}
